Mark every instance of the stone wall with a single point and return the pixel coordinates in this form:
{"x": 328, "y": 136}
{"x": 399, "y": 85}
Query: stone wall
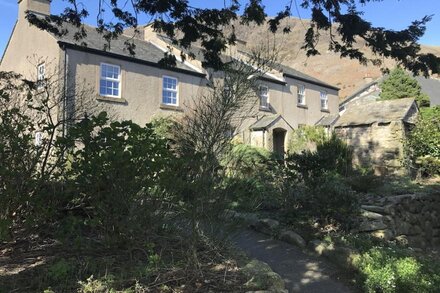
{"x": 379, "y": 146}
{"x": 414, "y": 219}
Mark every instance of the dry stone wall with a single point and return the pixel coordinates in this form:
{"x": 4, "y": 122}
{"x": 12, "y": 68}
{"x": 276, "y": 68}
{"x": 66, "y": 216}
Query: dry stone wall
{"x": 414, "y": 219}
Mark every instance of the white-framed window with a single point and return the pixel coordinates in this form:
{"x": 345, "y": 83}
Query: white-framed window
{"x": 110, "y": 81}
{"x": 324, "y": 100}
{"x": 264, "y": 96}
{"x": 170, "y": 90}
{"x": 41, "y": 74}
{"x": 301, "y": 94}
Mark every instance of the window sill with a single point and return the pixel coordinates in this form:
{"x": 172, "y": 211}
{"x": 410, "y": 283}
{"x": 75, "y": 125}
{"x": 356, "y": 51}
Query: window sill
{"x": 325, "y": 110}
{"x": 111, "y": 99}
{"x": 304, "y": 106}
{"x": 265, "y": 109}
{"x": 171, "y": 107}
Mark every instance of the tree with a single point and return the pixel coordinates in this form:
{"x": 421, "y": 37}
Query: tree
{"x": 186, "y": 25}
{"x": 400, "y": 85}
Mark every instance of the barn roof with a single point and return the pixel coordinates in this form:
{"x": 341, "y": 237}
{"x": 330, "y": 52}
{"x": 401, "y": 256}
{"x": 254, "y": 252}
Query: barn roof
{"x": 377, "y": 112}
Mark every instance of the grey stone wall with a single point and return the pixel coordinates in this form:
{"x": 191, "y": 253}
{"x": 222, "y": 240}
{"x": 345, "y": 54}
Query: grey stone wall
{"x": 379, "y": 146}
{"x": 414, "y": 219}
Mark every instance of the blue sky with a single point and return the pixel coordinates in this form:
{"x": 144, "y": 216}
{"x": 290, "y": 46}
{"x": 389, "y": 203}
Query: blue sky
{"x": 394, "y": 14}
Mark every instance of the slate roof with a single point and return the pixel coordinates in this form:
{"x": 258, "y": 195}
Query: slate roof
{"x": 376, "y": 111}
{"x": 293, "y": 73}
{"x": 144, "y": 51}
{"x": 264, "y": 122}
{"x": 286, "y": 70}
{"x": 327, "y": 120}
{"x": 431, "y": 87}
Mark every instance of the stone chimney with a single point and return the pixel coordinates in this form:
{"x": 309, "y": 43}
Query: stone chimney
{"x": 38, "y": 7}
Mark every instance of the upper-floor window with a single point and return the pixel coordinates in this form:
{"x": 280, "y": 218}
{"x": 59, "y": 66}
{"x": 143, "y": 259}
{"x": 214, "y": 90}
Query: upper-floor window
{"x": 264, "y": 97}
{"x": 301, "y": 95}
{"x": 170, "y": 91}
{"x": 324, "y": 100}
{"x": 110, "y": 81}
{"x": 41, "y": 75}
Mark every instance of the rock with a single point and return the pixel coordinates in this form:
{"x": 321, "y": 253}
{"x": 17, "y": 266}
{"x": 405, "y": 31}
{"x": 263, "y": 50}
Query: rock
{"x": 266, "y": 226}
{"x": 293, "y": 238}
{"x": 342, "y": 256}
{"x": 371, "y": 215}
{"x": 368, "y": 226}
{"x": 317, "y": 246}
{"x": 261, "y": 276}
{"x": 383, "y": 234}
{"x": 402, "y": 240}
{"x": 375, "y": 209}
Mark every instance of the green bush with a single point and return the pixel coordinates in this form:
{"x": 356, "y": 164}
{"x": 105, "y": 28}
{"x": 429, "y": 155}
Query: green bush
{"x": 389, "y": 269}
{"x": 422, "y": 145}
{"x": 306, "y": 137}
{"x": 331, "y": 155}
{"x": 329, "y": 199}
{"x": 254, "y": 178}
{"x": 363, "y": 180}
{"x": 113, "y": 177}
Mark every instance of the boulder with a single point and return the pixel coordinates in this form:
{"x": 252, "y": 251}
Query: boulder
{"x": 293, "y": 238}
{"x": 266, "y": 226}
{"x": 342, "y": 256}
{"x": 261, "y": 277}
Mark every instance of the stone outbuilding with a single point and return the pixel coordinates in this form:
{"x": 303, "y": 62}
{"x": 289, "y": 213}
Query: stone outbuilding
{"x": 376, "y": 131}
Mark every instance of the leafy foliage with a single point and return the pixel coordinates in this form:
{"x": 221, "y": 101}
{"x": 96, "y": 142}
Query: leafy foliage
{"x": 253, "y": 178}
{"x": 388, "y": 269}
{"x": 185, "y": 25}
{"x": 331, "y": 155}
{"x": 400, "y": 85}
{"x": 423, "y": 146}
{"x": 114, "y": 175}
{"x": 305, "y": 138}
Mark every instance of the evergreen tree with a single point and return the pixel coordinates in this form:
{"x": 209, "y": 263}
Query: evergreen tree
{"x": 400, "y": 85}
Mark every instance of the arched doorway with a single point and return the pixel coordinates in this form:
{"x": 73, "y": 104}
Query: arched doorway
{"x": 279, "y": 137}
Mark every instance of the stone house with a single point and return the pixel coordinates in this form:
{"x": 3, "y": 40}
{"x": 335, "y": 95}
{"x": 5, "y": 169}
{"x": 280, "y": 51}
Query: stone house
{"x": 139, "y": 88}
{"x": 376, "y": 130}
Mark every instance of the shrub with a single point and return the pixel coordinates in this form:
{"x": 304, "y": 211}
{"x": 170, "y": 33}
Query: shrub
{"x": 329, "y": 199}
{"x": 390, "y": 269}
{"x": 114, "y": 176}
{"x": 254, "y": 179}
{"x": 422, "y": 145}
{"x": 306, "y": 137}
{"x": 331, "y": 155}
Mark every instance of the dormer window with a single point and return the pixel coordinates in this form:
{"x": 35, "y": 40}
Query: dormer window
{"x": 264, "y": 97}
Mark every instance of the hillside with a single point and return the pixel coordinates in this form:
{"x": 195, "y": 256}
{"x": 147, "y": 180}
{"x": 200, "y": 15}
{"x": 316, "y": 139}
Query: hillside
{"x": 329, "y": 67}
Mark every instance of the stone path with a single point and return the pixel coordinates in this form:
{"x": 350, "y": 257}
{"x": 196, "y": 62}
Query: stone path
{"x": 301, "y": 272}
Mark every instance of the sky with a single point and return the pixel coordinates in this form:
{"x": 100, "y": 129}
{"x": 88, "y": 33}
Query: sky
{"x": 392, "y": 14}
